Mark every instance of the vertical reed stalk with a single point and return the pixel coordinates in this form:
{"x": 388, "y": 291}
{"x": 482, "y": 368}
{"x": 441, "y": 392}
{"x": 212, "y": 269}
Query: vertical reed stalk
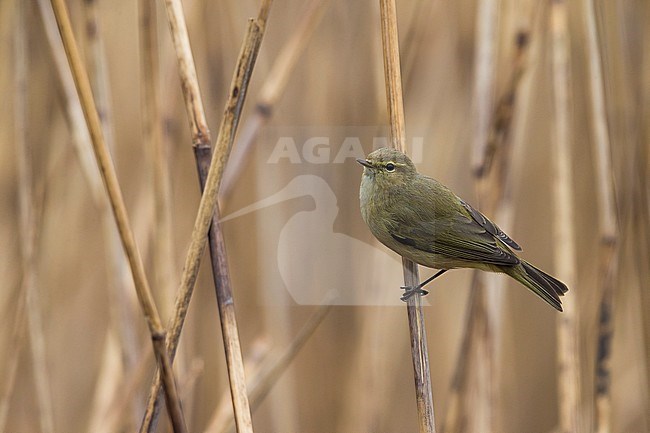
{"x": 641, "y": 212}
{"x": 484, "y": 70}
{"x": 419, "y": 350}
{"x": 152, "y": 140}
{"x": 492, "y": 173}
{"x": 607, "y": 222}
{"x": 482, "y": 341}
{"x": 82, "y": 83}
{"x": 210, "y": 174}
{"x": 563, "y": 225}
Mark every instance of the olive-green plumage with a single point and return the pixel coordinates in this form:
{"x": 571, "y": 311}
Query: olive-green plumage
{"x": 423, "y": 220}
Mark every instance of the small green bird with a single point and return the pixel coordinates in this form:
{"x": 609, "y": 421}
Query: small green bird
{"x": 421, "y": 219}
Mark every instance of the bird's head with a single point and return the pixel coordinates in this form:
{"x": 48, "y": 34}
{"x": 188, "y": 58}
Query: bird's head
{"x": 388, "y": 166}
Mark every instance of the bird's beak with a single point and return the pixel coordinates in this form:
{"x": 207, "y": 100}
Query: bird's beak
{"x": 364, "y": 162}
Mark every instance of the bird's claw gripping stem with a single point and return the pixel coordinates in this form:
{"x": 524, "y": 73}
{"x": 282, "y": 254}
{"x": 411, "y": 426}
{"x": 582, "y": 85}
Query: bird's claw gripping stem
{"x": 410, "y": 291}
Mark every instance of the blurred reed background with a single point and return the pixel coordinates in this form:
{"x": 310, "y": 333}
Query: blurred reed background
{"x": 534, "y": 111}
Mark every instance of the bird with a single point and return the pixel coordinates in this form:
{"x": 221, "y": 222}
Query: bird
{"x": 424, "y": 221}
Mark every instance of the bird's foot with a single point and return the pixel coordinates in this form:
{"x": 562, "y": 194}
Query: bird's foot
{"x": 410, "y": 291}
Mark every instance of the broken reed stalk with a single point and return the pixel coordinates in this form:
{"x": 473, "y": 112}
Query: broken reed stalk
{"x": 208, "y": 209}
{"x": 568, "y": 358}
{"x": 271, "y": 91}
{"x": 82, "y": 84}
{"x": 417, "y": 329}
{"x": 607, "y": 222}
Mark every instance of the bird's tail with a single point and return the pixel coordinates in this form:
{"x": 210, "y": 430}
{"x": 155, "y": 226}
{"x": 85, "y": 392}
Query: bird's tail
{"x": 545, "y": 286}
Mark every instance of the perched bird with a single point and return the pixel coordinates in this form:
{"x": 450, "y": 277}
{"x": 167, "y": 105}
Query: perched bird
{"x": 423, "y": 220}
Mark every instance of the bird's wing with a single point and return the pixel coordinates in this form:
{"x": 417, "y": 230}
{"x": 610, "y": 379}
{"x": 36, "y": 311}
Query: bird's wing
{"x": 460, "y": 237}
{"x": 490, "y": 227}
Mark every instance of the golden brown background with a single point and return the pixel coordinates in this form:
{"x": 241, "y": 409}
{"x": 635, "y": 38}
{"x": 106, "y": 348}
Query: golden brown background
{"x": 72, "y": 332}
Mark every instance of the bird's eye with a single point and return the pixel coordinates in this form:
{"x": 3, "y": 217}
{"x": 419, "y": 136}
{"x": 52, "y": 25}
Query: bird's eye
{"x": 390, "y": 167}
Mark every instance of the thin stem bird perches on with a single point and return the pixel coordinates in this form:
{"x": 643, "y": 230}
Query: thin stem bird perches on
{"x": 145, "y": 297}
{"x": 419, "y": 350}
{"x": 208, "y": 215}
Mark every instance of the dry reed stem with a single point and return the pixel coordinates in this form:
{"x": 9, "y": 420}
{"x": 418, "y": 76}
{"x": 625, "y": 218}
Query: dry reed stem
{"x": 27, "y": 226}
{"x": 395, "y": 101}
{"x": 607, "y": 222}
{"x": 483, "y": 344}
{"x": 222, "y": 149}
{"x": 200, "y": 138}
{"x": 208, "y": 205}
{"x": 152, "y": 139}
{"x": 228, "y": 319}
{"x": 222, "y": 414}
{"x": 98, "y": 68}
{"x": 492, "y": 174}
{"x": 82, "y": 83}
{"x": 187, "y": 71}
{"x": 74, "y": 112}
{"x": 283, "y": 408}
{"x": 484, "y": 71}
{"x": 641, "y": 215}
{"x": 270, "y": 372}
{"x": 563, "y": 225}
{"x": 643, "y": 258}
{"x": 272, "y": 89}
